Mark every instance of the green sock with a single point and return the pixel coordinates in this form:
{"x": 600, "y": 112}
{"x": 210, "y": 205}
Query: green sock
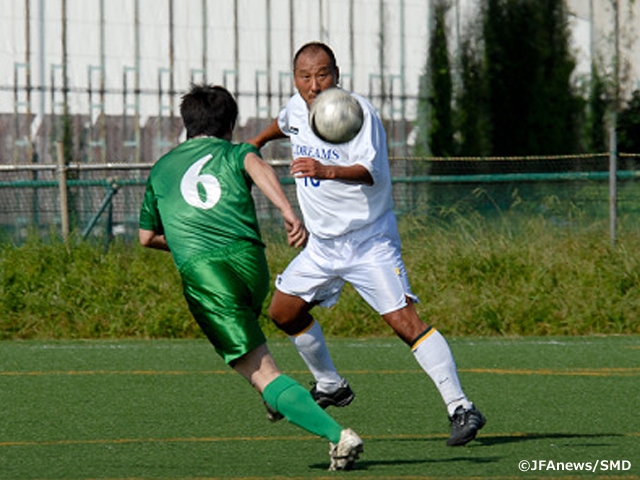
{"x": 289, "y": 398}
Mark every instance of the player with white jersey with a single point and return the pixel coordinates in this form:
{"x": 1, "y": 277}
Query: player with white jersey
{"x": 345, "y": 195}
{"x": 345, "y": 212}
{"x": 321, "y": 199}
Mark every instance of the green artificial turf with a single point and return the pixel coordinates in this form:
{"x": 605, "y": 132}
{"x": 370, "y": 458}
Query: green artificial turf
{"x": 170, "y": 409}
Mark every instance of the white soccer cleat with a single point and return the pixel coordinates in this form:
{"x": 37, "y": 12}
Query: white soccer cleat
{"x": 346, "y": 452}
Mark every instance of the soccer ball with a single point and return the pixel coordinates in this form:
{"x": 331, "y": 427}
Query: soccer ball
{"x": 335, "y": 116}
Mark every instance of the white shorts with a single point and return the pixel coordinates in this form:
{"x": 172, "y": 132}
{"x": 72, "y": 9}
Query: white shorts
{"x": 368, "y": 258}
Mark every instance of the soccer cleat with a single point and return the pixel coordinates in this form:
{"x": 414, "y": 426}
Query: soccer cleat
{"x": 465, "y": 425}
{"x": 272, "y": 415}
{"x": 342, "y": 397}
{"x": 346, "y": 452}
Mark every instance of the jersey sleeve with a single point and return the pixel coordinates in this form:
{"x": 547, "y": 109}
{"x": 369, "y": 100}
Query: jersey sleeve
{"x": 149, "y": 214}
{"x": 243, "y": 150}
{"x": 368, "y": 148}
{"x": 283, "y": 121}
{"x": 284, "y": 117}
{"x": 246, "y": 148}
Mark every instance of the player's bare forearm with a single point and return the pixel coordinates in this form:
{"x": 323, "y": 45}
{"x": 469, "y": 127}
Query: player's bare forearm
{"x": 309, "y": 167}
{"x": 267, "y": 181}
{"x": 151, "y": 239}
{"x": 265, "y": 178}
{"x": 272, "y": 132}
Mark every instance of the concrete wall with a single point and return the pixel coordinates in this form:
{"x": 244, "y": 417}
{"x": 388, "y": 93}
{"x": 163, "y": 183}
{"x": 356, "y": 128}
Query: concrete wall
{"x": 132, "y": 58}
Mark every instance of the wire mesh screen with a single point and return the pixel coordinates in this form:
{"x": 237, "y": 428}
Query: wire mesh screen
{"x": 104, "y": 202}
{"x": 571, "y": 186}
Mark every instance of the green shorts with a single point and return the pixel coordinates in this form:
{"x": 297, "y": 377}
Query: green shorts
{"x": 225, "y": 290}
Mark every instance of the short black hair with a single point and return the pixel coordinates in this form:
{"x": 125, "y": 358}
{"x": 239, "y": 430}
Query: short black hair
{"x": 314, "y": 47}
{"x": 208, "y": 110}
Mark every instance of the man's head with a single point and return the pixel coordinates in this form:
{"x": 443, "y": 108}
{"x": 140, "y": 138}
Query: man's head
{"x": 314, "y": 70}
{"x": 209, "y": 110}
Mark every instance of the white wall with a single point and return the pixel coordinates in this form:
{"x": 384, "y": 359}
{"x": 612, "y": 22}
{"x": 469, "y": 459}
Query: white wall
{"x": 264, "y": 49}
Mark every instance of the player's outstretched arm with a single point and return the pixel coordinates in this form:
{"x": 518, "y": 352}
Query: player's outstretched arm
{"x": 267, "y": 181}
{"x": 272, "y": 132}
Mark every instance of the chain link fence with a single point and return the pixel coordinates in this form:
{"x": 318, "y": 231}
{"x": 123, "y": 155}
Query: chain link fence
{"x": 102, "y": 201}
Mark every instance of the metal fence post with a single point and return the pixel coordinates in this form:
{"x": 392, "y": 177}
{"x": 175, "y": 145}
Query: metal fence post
{"x": 62, "y": 185}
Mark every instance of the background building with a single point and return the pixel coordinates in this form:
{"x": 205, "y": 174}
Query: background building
{"x": 114, "y": 70}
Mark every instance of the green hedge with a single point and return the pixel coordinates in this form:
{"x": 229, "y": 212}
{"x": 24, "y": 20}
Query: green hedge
{"x": 472, "y": 279}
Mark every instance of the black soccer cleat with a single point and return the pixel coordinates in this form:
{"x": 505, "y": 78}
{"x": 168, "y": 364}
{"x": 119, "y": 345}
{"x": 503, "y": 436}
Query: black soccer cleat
{"x": 342, "y": 397}
{"x": 465, "y": 425}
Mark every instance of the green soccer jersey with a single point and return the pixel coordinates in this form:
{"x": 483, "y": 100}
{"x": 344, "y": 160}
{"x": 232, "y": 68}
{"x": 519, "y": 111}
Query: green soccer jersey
{"x": 199, "y": 196}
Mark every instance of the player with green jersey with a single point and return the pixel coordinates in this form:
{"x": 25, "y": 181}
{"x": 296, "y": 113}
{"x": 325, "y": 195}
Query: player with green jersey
{"x": 198, "y": 206}
{"x": 186, "y": 211}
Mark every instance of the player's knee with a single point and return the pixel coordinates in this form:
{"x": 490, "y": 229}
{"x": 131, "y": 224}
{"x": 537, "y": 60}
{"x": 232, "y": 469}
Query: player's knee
{"x": 289, "y": 321}
{"x": 279, "y": 306}
{"x": 283, "y": 308}
{"x": 281, "y": 316}
{"x": 277, "y": 314}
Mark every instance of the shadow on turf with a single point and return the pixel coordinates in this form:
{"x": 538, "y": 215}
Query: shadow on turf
{"x": 481, "y": 441}
{"x": 524, "y": 437}
{"x": 368, "y": 461}
{"x": 365, "y": 464}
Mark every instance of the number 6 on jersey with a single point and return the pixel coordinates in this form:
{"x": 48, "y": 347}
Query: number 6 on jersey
{"x": 200, "y": 190}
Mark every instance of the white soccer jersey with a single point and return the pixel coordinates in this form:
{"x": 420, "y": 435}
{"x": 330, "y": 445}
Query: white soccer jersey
{"x": 332, "y": 207}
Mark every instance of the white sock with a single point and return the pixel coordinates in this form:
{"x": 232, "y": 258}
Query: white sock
{"x": 434, "y": 356}
{"x": 313, "y": 350}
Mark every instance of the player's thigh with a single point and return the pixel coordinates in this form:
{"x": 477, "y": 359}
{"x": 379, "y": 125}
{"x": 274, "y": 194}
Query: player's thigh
{"x": 380, "y": 277}
{"x": 312, "y": 281}
{"x": 225, "y": 303}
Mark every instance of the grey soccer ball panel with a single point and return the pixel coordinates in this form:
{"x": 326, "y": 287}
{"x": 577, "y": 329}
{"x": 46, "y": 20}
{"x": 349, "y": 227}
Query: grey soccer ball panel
{"x": 335, "y": 116}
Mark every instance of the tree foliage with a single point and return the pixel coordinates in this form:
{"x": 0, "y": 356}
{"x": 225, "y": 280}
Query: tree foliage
{"x": 533, "y": 108}
{"x": 629, "y": 125}
{"x": 515, "y": 93}
{"x": 440, "y": 97}
{"x": 471, "y": 113}
{"x": 421, "y": 147}
{"x": 598, "y": 103}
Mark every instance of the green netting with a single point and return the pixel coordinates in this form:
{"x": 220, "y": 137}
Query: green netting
{"x": 568, "y": 191}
